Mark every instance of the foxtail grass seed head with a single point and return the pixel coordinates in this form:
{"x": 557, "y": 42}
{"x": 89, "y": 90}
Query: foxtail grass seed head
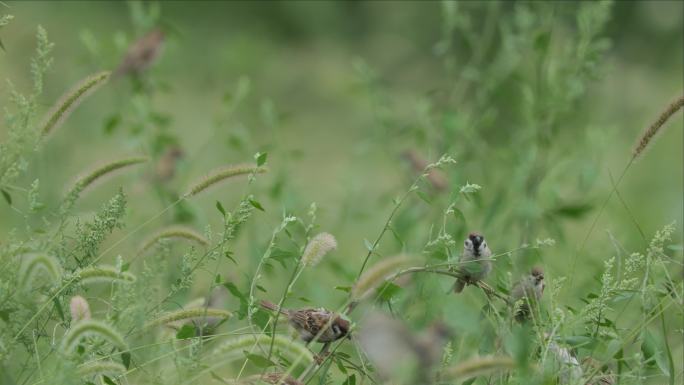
{"x": 70, "y": 100}
{"x": 32, "y": 264}
{"x": 98, "y": 174}
{"x": 477, "y": 367}
{"x": 175, "y": 232}
{"x": 318, "y": 247}
{"x": 105, "y": 274}
{"x": 79, "y": 309}
{"x": 221, "y": 175}
{"x": 377, "y": 274}
{"x": 101, "y": 367}
{"x": 91, "y": 328}
{"x": 654, "y": 128}
{"x": 196, "y": 313}
{"x": 290, "y": 348}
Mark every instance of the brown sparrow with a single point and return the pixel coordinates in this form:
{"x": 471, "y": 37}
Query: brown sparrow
{"x": 167, "y": 164}
{"x": 142, "y": 53}
{"x": 527, "y": 292}
{"x": 475, "y": 263}
{"x": 309, "y": 323}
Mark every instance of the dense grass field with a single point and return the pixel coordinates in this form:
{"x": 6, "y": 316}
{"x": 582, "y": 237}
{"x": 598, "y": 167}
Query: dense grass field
{"x": 167, "y": 166}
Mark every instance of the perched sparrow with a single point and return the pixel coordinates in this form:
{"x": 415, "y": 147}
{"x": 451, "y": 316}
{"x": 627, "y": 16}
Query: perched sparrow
{"x": 475, "y": 262}
{"x": 167, "y": 164}
{"x": 601, "y": 373}
{"x": 142, "y": 53}
{"x": 309, "y": 322}
{"x": 527, "y": 292}
{"x": 399, "y": 355}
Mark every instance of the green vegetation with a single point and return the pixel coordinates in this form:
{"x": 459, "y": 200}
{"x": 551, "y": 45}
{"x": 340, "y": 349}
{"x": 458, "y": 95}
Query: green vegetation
{"x": 337, "y": 155}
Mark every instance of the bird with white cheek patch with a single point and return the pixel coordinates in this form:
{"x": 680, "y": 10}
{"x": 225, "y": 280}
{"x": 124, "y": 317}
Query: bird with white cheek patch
{"x": 475, "y": 263}
{"x": 311, "y": 322}
{"x": 527, "y": 293}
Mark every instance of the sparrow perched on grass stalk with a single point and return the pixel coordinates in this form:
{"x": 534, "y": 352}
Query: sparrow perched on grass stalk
{"x": 475, "y": 263}
{"x": 526, "y": 293}
{"x": 142, "y": 53}
{"x": 310, "y": 322}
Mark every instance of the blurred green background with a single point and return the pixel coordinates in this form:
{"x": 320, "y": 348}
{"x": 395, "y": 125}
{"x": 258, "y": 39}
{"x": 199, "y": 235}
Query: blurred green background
{"x": 336, "y": 92}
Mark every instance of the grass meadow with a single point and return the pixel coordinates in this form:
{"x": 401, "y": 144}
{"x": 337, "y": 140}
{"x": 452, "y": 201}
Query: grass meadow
{"x": 167, "y": 166}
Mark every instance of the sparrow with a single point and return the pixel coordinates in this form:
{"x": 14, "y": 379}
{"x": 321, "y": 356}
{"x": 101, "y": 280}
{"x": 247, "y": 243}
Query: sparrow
{"x": 309, "y": 323}
{"x": 475, "y": 263}
{"x": 166, "y": 167}
{"x": 602, "y": 374}
{"x": 527, "y": 292}
{"x": 142, "y": 53}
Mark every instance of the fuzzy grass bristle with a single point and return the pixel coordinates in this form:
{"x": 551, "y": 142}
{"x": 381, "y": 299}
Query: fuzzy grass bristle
{"x": 221, "y": 175}
{"x": 652, "y": 130}
{"x": 317, "y": 248}
{"x": 101, "y": 367}
{"x": 79, "y": 309}
{"x": 94, "y": 274}
{"x": 477, "y": 367}
{"x": 376, "y": 275}
{"x": 70, "y": 100}
{"x": 236, "y": 346}
{"x": 175, "y": 232}
{"x": 34, "y": 263}
{"x": 188, "y": 314}
{"x": 97, "y": 174}
{"x": 95, "y": 328}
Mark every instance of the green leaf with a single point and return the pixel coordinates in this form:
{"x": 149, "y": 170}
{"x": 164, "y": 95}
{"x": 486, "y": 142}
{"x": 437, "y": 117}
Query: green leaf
{"x": 573, "y": 210}
{"x": 108, "y": 380}
{"x": 5, "y": 313}
{"x": 112, "y": 123}
{"x": 187, "y": 331}
{"x": 126, "y": 359}
{"x": 217, "y": 279}
{"x": 424, "y": 197}
{"x": 229, "y": 255}
{"x": 368, "y": 245}
{"x": 7, "y": 196}
{"x": 244, "y": 303}
{"x": 260, "y": 158}
{"x": 387, "y": 290}
{"x": 256, "y": 204}
{"x": 220, "y": 208}
{"x": 217, "y": 377}
{"x": 340, "y": 365}
{"x": 345, "y": 289}
{"x": 351, "y": 380}
{"x": 259, "y": 360}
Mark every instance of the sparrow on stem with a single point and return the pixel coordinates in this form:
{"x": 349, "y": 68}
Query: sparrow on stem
{"x": 475, "y": 263}
{"x": 142, "y": 53}
{"x": 527, "y": 293}
{"x": 310, "y": 322}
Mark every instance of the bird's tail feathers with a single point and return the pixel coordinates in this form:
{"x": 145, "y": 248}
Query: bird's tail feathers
{"x": 271, "y": 306}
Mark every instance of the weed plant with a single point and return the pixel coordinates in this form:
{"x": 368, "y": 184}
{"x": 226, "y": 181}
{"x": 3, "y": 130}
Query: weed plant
{"x": 110, "y": 297}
